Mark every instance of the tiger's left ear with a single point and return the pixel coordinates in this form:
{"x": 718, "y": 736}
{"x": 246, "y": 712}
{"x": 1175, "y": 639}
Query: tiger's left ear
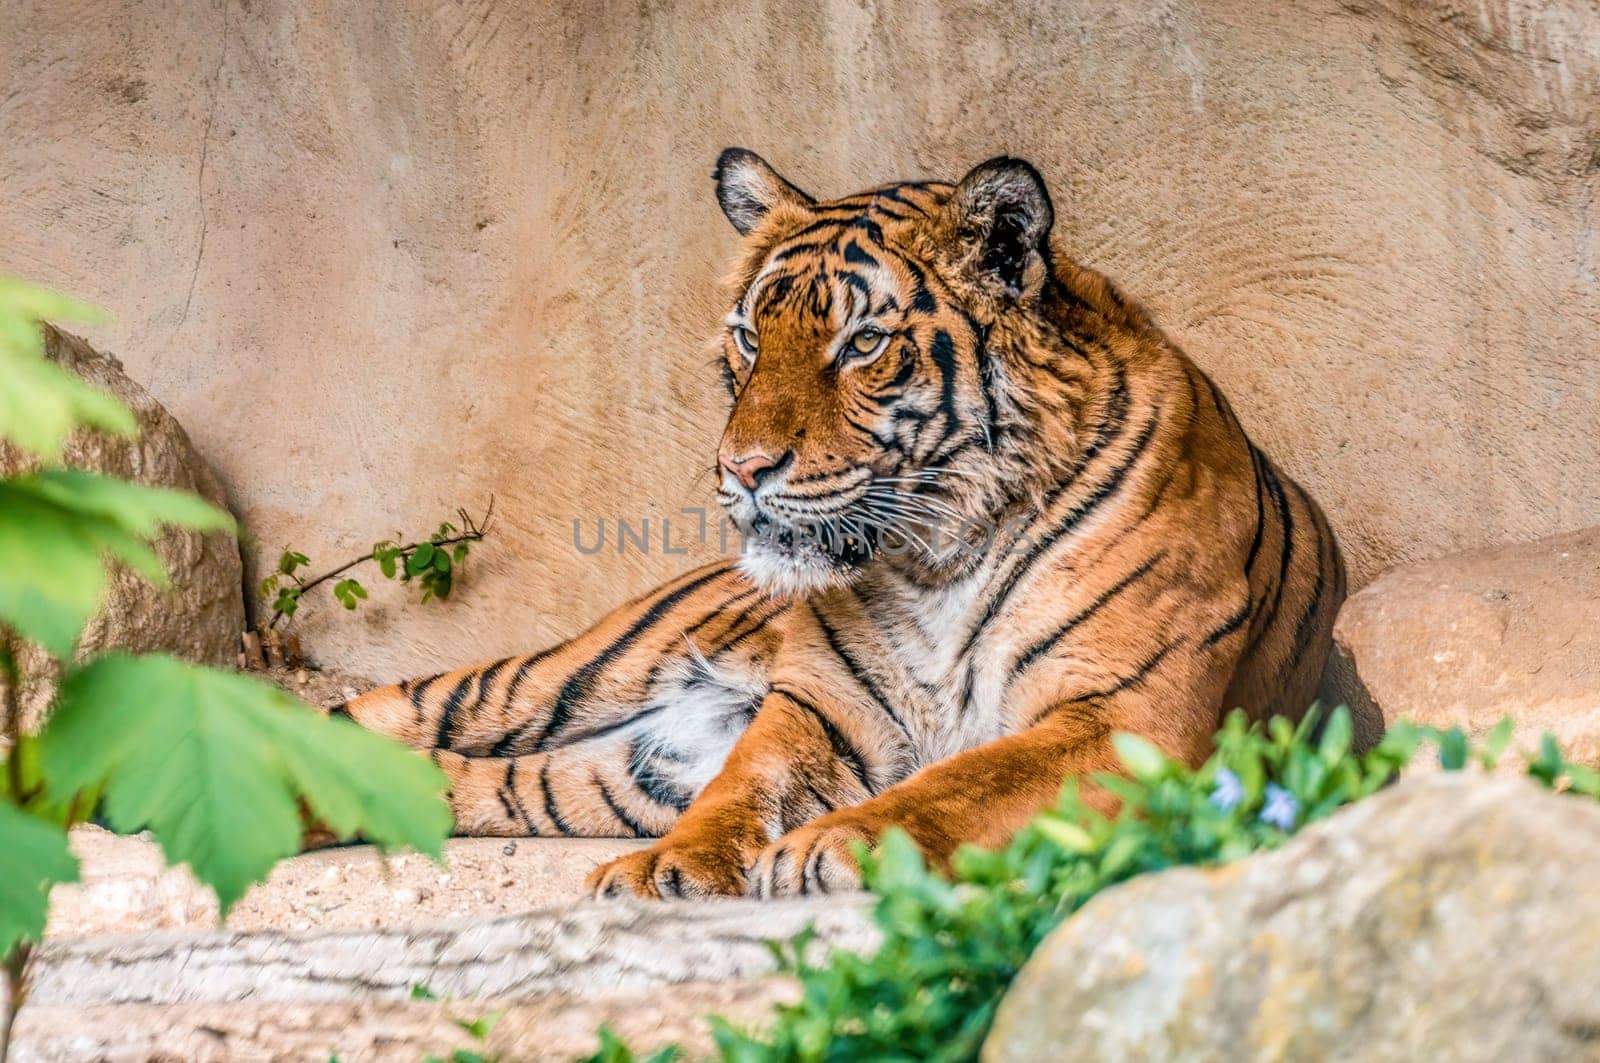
{"x": 748, "y": 188}
{"x": 1001, "y": 214}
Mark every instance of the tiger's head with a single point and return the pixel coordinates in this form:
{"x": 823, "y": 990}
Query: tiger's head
{"x": 872, "y": 420}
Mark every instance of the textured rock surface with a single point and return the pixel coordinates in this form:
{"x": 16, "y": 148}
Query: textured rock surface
{"x": 1448, "y": 918}
{"x": 388, "y": 261}
{"x": 582, "y": 948}
{"x": 1468, "y": 638}
{"x": 126, "y": 886}
{"x": 201, "y": 615}
{"x": 548, "y": 1028}
{"x": 651, "y": 970}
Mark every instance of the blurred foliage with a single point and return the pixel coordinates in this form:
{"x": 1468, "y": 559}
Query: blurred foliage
{"x": 215, "y": 765}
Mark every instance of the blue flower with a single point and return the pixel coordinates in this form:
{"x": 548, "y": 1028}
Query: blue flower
{"x": 1280, "y": 809}
{"x": 1229, "y": 790}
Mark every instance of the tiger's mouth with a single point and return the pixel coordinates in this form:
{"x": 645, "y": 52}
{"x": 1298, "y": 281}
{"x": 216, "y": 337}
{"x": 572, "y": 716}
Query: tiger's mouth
{"x": 800, "y": 559}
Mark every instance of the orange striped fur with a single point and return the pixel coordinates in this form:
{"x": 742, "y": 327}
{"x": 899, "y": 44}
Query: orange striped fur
{"x": 901, "y": 361}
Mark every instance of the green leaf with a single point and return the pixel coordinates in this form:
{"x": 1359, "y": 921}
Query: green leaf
{"x": 213, "y": 763}
{"x": 483, "y": 1025}
{"x": 441, "y": 561}
{"x": 1142, "y": 759}
{"x": 420, "y": 559}
{"x": 36, "y": 858}
{"x": 1069, "y": 836}
{"x": 1453, "y": 749}
{"x": 291, "y": 560}
{"x": 42, "y": 403}
{"x": 1496, "y": 741}
{"x": 1336, "y": 737}
{"x": 57, "y": 528}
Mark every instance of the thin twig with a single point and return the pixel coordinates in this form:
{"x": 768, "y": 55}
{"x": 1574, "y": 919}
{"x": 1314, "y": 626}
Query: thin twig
{"x": 475, "y": 531}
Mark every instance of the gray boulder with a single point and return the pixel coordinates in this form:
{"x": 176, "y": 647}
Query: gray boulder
{"x": 1451, "y": 917}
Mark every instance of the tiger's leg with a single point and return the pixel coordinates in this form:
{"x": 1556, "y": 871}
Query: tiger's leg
{"x": 655, "y": 693}
{"x": 980, "y": 796}
{"x": 805, "y": 755}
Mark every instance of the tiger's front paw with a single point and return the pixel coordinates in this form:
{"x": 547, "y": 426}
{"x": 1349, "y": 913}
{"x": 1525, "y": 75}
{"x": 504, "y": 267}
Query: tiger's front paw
{"x": 667, "y": 871}
{"x": 816, "y": 858}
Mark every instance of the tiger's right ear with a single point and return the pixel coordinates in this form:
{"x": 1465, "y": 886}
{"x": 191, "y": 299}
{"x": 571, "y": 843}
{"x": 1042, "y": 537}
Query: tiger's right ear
{"x": 749, "y": 189}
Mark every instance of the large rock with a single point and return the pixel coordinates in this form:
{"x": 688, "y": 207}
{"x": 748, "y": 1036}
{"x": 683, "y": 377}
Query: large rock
{"x": 389, "y": 259}
{"x": 1470, "y": 638}
{"x": 1450, "y": 917}
{"x": 201, "y": 614}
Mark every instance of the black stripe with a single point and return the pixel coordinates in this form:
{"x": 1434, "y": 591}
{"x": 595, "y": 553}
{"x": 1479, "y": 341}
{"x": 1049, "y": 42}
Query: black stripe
{"x": 873, "y": 230}
{"x": 943, "y": 353}
{"x": 550, "y": 808}
{"x": 452, "y": 704}
{"x": 580, "y": 684}
{"x": 858, "y": 673}
{"x": 1046, "y": 644}
{"x": 416, "y": 691}
{"x": 1261, "y": 512}
{"x": 1148, "y": 665}
{"x": 922, "y": 299}
{"x": 1306, "y": 624}
{"x": 719, "y": 611}
{"x": 509, "y": 784}
{"x": 618, "y": 811}
{"x": 1230, "y": 625}
{"x": 842, "y": 747}
{"x": 657, "y": 787}
{"x": 342, "y": 709}
{"x": 856, "y": 255}
{"x": 1089, "y": 504}
{"x": 1280, "y": 499}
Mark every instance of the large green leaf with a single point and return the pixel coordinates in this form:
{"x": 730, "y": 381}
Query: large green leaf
{"x": 41, "y": 403}
{"x": 36, "y": 858}
{"x": 214, "y": 763}
{"x": 58, "y": 527}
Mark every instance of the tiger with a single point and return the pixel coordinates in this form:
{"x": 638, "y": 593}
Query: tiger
{"x": 990, "y": 517}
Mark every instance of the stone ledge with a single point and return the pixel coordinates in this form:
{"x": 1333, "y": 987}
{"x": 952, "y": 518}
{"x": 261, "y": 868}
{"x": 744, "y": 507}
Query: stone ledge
{"x": 126, "y": 886}
{"x": 556, "y": 1027}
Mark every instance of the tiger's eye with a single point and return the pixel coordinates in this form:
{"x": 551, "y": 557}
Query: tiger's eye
{"x": 746, "y": 339}
{"x": 867, "y": 341}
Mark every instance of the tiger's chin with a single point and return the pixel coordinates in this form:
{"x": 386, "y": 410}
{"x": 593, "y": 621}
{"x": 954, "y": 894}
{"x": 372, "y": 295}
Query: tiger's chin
{"x": 797, "y": 566}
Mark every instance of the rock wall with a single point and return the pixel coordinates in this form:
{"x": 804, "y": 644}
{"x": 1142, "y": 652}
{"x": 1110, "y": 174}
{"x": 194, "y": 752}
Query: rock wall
{"x": 383, "y": 260}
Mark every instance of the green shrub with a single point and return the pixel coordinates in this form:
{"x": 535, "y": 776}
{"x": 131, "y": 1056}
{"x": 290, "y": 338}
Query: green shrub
{"x": 951, "y": 945}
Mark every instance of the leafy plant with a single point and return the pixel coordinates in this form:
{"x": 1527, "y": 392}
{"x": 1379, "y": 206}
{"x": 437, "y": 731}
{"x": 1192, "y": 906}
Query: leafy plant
{"x": 432, "y": 563}
{"x": 478, "y": 1029}
{"x": 952, "y": 944}
{"x": 216, "y": 766}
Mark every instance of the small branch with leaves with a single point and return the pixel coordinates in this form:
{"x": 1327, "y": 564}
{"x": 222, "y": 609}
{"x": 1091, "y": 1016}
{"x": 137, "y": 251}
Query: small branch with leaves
{"x": 432, "y": 563}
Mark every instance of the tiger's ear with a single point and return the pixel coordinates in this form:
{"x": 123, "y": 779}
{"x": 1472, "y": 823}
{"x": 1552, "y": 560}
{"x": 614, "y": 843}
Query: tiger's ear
{"x": 1002, "y": 215}
{"x": 748, "y": 188}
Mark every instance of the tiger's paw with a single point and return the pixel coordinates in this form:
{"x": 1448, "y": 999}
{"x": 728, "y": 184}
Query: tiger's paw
{"x": 814, "y": 859}
{"x": 670, "y": 871}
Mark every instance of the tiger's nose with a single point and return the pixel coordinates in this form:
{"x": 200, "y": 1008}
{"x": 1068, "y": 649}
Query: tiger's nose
{"x": 751, "y": 469}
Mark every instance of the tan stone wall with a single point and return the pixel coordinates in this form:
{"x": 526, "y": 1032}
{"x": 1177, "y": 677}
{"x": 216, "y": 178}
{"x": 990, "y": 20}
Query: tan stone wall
{"x": 381, "y": 259}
